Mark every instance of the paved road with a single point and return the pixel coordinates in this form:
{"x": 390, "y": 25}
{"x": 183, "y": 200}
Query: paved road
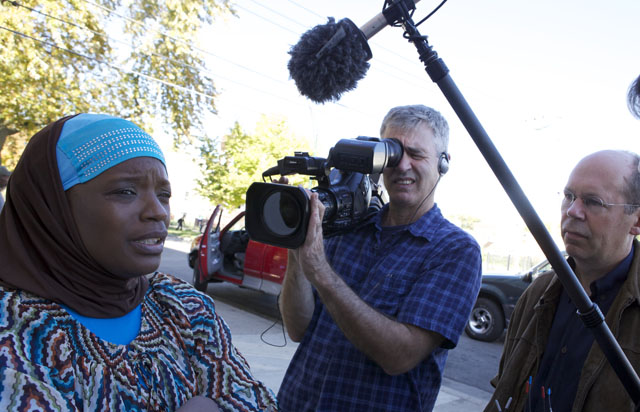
{"x": 473, "y": 362}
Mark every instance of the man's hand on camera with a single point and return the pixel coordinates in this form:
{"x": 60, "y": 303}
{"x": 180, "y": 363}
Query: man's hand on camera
{"x": 297, "y": 301}
{"x": 311, "y": 254}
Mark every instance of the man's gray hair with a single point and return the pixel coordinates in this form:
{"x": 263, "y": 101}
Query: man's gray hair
{"x": 631, "y": 191}
{"x": 408, "y": 117}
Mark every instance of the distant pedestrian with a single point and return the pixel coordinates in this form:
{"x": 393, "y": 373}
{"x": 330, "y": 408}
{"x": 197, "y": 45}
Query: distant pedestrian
{"x": 181, "y": 222}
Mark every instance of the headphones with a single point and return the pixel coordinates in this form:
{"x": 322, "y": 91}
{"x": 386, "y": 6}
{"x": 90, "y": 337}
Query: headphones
{"x": 443, "y": 163}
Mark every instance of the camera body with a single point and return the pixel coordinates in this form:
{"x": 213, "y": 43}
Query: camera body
{"x": 278, "y": 214}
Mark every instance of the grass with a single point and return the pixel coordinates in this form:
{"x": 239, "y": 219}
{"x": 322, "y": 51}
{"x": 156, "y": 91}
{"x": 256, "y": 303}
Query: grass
{"x": 186, "y": 234}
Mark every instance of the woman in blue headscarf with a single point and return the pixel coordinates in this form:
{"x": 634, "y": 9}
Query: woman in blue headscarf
{"x": 83, "y": 326}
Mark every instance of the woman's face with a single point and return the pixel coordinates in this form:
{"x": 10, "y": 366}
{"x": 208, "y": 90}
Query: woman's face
{"x": 123, "y": 214}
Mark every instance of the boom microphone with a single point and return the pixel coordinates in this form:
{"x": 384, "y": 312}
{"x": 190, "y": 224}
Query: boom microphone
{"x": 331, "y": 58}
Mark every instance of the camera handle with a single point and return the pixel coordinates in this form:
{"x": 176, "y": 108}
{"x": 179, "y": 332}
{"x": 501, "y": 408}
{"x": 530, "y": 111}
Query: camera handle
{"x": 590, "y": 314}
{"x": 377, "y": 201}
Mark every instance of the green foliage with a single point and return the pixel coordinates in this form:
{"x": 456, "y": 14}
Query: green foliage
{"x": 467, "y": 223}
{"x": 59, "y": 58}
{"x": 231, "y": 163}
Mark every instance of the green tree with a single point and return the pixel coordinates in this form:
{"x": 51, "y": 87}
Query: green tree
{"x": 231, "y": 163}
{"x": 466, "y": 222}
{"x": 134, "y": 59}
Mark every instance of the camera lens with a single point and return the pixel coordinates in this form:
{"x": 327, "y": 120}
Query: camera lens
{"x": 281, "y": 213}
{"x": 394, "y": 151}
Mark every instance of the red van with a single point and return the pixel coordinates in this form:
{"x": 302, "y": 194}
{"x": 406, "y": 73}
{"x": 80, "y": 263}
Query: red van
{"x": 228, "y": 255}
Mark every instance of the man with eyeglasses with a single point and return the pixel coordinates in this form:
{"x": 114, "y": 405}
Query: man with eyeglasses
{"x": 550, "y": 360}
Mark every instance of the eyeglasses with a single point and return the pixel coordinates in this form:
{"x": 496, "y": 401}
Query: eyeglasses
{"x": 593, "y": 204}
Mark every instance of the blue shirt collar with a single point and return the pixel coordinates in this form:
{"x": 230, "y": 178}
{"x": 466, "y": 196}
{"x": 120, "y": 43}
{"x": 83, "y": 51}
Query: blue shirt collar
{"x": 613, "y": 279}
{"x": 424, "y": 227}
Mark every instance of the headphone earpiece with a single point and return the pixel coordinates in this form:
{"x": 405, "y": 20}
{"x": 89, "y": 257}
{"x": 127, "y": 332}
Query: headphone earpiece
{"x": 443, "y": 163}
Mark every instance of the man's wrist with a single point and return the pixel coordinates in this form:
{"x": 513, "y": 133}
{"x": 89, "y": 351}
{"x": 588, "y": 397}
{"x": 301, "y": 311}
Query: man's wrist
{"x": 323, "y": 277}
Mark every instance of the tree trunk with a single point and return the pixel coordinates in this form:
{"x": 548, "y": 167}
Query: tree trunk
{"x": 4, "y": 133}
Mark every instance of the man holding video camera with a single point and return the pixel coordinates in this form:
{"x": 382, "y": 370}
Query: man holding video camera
{"x": 376, "y": 309}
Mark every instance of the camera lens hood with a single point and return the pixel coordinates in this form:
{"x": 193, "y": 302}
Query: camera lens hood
{"x": 277, "y": 214}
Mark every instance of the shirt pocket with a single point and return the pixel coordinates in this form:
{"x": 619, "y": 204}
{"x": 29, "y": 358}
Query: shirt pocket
{"x": 386, "y": 293}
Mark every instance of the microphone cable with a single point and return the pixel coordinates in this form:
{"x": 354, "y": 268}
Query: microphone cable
{"x": 432, "y": 13}
{"x": 425, "y": 198}
{"x": 278, "y": 320}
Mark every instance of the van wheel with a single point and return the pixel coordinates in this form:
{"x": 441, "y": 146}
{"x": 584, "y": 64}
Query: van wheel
{"x": 486, "y": 322}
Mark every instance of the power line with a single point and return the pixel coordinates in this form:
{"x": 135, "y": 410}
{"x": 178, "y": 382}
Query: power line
{"x": 295, "y": 3}
{"x": 209, "y": 53}
{"x": 180, "y": 63}
{"x": 297, "y": 33}
{"x": 306, "y": 9}
{"x": 277, "y": 13}
{"x": 106, "y": 37}
{"x": 186, "y": 43}
{"x": 15, "y": 3}
{"x": 119, "y": 68}
{"x": 185, "y": 65}
{"x": 421, "y": 82}
{"x": 189, "y": 44}
{"x": 138, "y": 73}
{"x": 403, "y": 78}
{"x": 111, "y": 65}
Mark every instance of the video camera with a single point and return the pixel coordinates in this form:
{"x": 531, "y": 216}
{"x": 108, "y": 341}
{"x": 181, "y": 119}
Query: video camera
{"x": 278, "y": 214}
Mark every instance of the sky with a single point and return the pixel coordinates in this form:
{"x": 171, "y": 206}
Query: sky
{"x": 547, "y": 79}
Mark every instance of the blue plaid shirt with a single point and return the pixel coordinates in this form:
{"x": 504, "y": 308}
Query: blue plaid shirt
{"x": 426, "y": 274}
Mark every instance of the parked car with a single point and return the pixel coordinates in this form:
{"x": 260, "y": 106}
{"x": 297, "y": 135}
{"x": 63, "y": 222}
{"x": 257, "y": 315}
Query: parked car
{"x": 496, "y": 301}
{"x": 228, "y": 255}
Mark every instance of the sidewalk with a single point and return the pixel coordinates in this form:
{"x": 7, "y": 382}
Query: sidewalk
{"x": 269, "y": 363}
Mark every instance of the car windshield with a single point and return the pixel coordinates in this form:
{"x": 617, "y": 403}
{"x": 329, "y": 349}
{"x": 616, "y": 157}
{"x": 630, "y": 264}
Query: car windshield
{"x": 239, "y": 225}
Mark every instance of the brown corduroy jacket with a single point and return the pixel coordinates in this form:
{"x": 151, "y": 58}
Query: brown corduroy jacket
{"x": 599, "y": 388}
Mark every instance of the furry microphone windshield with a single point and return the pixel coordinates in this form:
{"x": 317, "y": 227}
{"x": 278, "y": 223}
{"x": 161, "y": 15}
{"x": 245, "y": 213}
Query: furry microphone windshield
{"x": 329, "y": 60}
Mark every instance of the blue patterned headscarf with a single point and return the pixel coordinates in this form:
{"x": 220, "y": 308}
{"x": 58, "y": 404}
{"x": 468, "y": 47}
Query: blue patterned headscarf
{"x": 89, "y": 144}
